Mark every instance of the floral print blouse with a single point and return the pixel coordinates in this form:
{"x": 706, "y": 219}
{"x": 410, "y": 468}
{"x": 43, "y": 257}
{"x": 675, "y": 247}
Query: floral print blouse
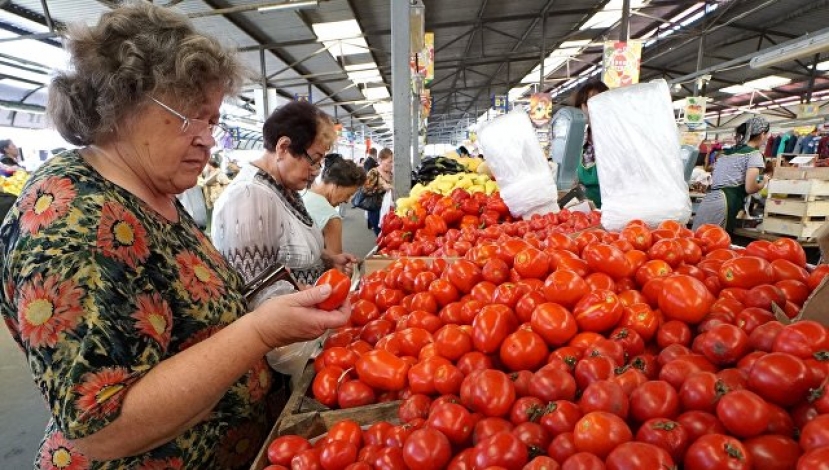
{"x": 97, "y": 288}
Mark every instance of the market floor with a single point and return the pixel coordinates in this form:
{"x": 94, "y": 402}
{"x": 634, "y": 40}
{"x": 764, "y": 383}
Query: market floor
{"x": 23, "y": 414}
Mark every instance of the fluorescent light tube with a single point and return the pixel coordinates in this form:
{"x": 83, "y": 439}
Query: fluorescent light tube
{"x": 807, "y": 45}
{"x": 291, "y": 5}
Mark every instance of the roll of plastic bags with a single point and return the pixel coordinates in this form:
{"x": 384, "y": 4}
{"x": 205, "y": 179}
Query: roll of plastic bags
{"x": 641, "y": 172}
{"x": 517, "y": 161}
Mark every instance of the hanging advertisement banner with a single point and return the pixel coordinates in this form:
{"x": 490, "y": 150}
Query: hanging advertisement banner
{"x": 541, "y": 109}
{"x": 500, "y": 103}
{"x": 694, "y": 139}
{"x": 425, "y": 104}
{"x": 429, "y": 57}
{"x": 621, "y": 63}
{"x": 695, "y": 113}
{"x": 808, "y": 110}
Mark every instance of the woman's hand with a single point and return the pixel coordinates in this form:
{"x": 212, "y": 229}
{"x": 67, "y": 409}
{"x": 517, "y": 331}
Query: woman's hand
{"x": 344, "y": 262}
{"x": 294, "y": 317}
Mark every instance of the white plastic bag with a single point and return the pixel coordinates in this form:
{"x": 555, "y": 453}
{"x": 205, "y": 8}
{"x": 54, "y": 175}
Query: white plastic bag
{"x": 517, "y": 161}
{"x": 638, "y": 156}
{"x": 291, "y": 359}
{"x": 388, "y": 205}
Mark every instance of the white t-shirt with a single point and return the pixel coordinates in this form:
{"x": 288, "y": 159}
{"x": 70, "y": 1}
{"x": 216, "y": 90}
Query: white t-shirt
{"x": 319, "y": 208}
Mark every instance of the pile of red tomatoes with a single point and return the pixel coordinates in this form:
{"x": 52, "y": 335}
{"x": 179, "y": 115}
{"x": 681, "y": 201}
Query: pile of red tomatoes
{"x": 450, "y": 226}
{"x": 644, "y": 349}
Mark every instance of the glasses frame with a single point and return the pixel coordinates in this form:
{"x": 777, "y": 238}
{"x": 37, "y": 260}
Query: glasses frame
{"x": 317, "y": 164}
{"x": 187, "y": 123}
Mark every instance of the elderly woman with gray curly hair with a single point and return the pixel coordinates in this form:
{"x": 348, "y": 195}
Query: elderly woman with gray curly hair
{"x": 134, "y": 326}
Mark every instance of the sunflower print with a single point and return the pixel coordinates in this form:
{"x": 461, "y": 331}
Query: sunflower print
{"x": 97, "y": 289}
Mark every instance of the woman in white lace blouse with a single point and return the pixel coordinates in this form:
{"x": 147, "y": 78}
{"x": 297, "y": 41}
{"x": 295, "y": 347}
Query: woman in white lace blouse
{"x": 260, "y": 218}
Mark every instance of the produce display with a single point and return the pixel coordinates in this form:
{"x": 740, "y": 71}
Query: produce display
{"x": 450, "y": 225}
{"x": 445, "y": 185}
{"x": 643, "y": 349}
{"x": 14, "y": 184}
{"x": 433, "y": 167}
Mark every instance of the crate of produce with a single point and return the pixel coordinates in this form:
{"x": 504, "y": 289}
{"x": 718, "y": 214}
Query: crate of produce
{"x": 314, "y": 424}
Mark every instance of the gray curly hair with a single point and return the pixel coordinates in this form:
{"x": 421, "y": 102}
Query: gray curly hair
{"x": 133, "y": 52}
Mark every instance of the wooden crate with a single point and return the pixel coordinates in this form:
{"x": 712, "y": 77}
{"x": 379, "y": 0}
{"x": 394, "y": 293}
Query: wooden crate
{"x": 791, "y": 173}
{"x": 316, "y": 423}
{"x": 805, "y": 189}
{"x": 792, "y": 226}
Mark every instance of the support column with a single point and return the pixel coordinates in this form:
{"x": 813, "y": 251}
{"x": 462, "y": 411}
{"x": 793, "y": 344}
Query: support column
{"x": 265, "y": 105}
{"x": 699, "y": 85}
{"x": 401, "y": 96}
{"x": 812, "y": 76}
{"x": 415, "y": 130}
{"x": 543, "y": 54}
{"x": 624, "y": 30}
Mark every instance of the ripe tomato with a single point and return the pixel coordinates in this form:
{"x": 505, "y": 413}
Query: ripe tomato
{"x": 691, "y": 252}
{"x": 815, "y": 434}
{"x": 326, "y": 383}
{"x": 448, "y": 379}
{"x": 452, "y": 420}
{"x": 795, "y": 291}
{"x": 665, "y": 434}
{"x": 773, "y": 452}
{"x": 652, "y": 269}
{"x": 501, "y": 450}
{"x": 535, "y": 437}
{"x": 701, "y": 391}
{"x": 600, "y": 281}
{"x": 713, "y": 237}
{"x": 699, "y": 423}
{"x": 780, "y": 378}
{"x": 594, "y": 369}
{"x": 565, "y": 287}
{"x": 542, "y": 462}
{"x": 724, "y": 344}
{"x": 640, "y": 318}
{"x": 382, "y": 370}
{"x": 507, "y": 294}
{"x": 463, "y": 275}
{"x": 629, "y": 378}
{"x": 668, "y": 250}
{"x": 600, "y": 432}
{"x": 523, "y": 350}
{"x": 491, "y": 326}
{"x": 489, "y": 392}
{"x": 605, "y": 395}
{"x": 473, "y": 361}
{"x": 415, "y": 407}
{"x": 717, "y": 452}
{"x": 785, "y": 270}
{"x": 743, "y": 413}
{"x": 337, "y": 454}
{"x": 340, "y": 285}
{"x": 637, "y": 456}
{"x": 532, "y": 263}
{"x": 598, "y": 311}
{"x": 638, "y": 236}
{"x": 554, "y": 323}
{"x": 452, "y": 342}
{"x": 551, "y": 383}
{"x": 654, "y": 399}
{"x": 583, "y": 461}
{"x": 284, "y": 448}
{"x": 421, "y": 375}
{"x": 608, "y": 348}
{"x": 629, "y": 339}
{"x": 788, "y": 249}
{"x": 673, "y": 332}
{"x": 521, "y": 381}
{"x": 685, "y": 298}
{"x": 560, "y": 417}
{"x": 526, "y": 409}
{"x": 817, "y": 459}
{"x": 354, "y": 393}
{"x": 802, "y": 339}
{"x": 746, "y": 272}
{"x": 607, "y": 259}
{"x": 363, "y": 312}
{"x": 426, "y": 449}
{"x": 307, "y": 460}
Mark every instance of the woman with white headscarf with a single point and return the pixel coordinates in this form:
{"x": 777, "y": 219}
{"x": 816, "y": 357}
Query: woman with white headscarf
{"x": 737, "y": 173}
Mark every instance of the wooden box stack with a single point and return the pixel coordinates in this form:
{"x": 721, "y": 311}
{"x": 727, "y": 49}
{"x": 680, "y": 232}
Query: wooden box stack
{"x": 798, "y": 202}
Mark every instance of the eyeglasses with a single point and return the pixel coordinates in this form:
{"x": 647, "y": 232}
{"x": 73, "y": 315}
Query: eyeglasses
{"x": 317, "y": 164}
{"x": 193, "y": 126}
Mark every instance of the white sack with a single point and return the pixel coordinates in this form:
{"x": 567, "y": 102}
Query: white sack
{"x": 517, "y": 161}
{"x": 638, "y": 156}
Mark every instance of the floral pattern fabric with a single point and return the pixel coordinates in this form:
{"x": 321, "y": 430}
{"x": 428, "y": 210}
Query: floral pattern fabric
{"x": 97, "y": 288}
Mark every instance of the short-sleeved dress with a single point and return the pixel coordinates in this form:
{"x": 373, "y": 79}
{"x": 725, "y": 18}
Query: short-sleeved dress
{"x": 319, "y": 209}
{"x": 97, "y": 288}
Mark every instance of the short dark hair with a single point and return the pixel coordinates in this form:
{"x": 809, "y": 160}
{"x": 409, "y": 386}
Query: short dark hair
{"x": 3, "y": 144}
{"x": 384, "y": 154}
{"x": 592, "y": 87}
{"x": 299, "y": 121}
{"x": 342, "y": 172}
{"x": 462, "y": 150}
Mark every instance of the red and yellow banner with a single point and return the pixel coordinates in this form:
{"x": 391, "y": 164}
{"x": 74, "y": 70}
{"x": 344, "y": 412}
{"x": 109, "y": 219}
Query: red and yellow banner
{"x": 621, "y": 63}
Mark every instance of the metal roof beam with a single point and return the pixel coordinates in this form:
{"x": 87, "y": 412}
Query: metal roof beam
{"x": 478, "y": 25}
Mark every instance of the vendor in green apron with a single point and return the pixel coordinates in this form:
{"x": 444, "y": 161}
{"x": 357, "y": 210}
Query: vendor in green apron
{"x": 737, "y": 173}
{"x": 587, "y": 173}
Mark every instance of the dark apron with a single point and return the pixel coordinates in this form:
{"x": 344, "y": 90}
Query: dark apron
{"x": 735, "y": 198}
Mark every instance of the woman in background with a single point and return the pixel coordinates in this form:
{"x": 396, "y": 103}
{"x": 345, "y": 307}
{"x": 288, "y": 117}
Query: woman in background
{"x": 340, "y": 180}
{"x": 737, "y": 173}
{"x": 379, "y": 180}
{"x": 587, "y": 173}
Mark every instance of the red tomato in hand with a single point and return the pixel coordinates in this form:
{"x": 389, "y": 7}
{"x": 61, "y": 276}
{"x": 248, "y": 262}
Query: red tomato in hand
{"x": 340, "y": 285}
